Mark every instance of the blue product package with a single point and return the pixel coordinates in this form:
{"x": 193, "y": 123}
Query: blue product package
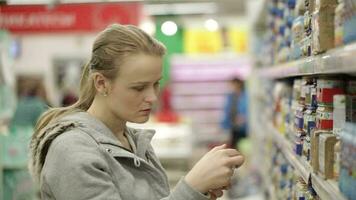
{"x": 310, "y": 127}
{"x": 290, "y": 20}
{"x": 350, "y": 30}
{"x": 299, "y": 122}
{"x": 296, "y": 52}
{"x": 291, "y": 4}
{"x": 299, "y": 148}
{"x": 347, "y": 184}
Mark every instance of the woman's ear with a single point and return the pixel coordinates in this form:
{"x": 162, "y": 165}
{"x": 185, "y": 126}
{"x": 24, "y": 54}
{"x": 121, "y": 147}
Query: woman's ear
{"x": 101, "y": 83}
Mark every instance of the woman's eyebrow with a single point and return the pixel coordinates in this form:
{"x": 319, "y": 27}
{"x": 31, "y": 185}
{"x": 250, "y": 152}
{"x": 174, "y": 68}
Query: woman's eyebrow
{"x": 144, "y": 82}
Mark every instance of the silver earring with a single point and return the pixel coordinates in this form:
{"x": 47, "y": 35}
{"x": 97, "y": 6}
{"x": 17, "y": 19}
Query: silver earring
{"x": 105, "y": 94}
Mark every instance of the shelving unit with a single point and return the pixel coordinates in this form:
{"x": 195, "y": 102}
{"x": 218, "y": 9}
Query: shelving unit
{"x": 336, "y": 61}
{"x": 326, "y": 189}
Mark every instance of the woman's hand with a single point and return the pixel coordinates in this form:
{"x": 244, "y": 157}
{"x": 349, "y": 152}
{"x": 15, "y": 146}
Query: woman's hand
{"x": 214, "y": 194}
{"x": 214, "y": 169}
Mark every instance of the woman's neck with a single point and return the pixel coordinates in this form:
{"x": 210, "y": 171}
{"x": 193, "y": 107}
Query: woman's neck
{"x": 116, "y": 125}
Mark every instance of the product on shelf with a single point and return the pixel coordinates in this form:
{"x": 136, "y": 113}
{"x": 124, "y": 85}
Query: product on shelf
{"x": 308, "y": 23}
{"x": 351, "y": 101}
{"x": 350, "y": 21}
{"x": 326, "y": 155}
{"x": 307, "y": 46}
{"x": 339, "y": 112}
{"x": 321, "y": 4}
{"x": 327, "y": 88}
{"x": 309, "y": 5}
{"x": 324, "y": 118}
{"x": 303, "y": 191}
{"x": 337, "y": 151}
{"x": 323, "y": 29}
{"x": 351, "y": 108}
{"x": 347, "y": 176}
{"x": 309, "y": 120}
{"x": 309, "y": 126}
{"x": 299, "y": 118}
{"x": 297, "y": 37}
{"x": 315, "y": 148}
{"x": 339, "y": 23}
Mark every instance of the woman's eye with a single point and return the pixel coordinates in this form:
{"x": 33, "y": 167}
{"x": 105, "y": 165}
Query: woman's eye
{"x": 139, "y": 89}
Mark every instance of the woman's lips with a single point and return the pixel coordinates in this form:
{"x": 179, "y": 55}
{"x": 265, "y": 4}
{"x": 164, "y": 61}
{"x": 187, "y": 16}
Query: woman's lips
{"x": 146, "y": 111}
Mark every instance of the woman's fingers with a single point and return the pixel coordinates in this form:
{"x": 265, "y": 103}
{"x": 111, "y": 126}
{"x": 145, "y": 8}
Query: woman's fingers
{"x": 236, "y": 161}
{"x": 212, "y": 196}
{"x": 220, "y": 147}
{"x": 230, "y": 152}
{"x": 217, "y": 193}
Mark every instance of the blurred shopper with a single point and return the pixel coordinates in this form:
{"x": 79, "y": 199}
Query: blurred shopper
{"x": 165, "y": 111}
{"x": 69, "y": 97}
{"x": 30, "y": 105}
{"x": 235, "y": 112}
{"x": 86, "y": 151}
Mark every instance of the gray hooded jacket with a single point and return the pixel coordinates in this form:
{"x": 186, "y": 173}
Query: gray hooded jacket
{"x": 78, "y": 157}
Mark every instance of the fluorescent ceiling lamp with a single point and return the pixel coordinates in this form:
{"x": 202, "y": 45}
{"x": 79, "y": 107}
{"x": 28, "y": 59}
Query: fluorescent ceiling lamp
{"x": 169, "y": 28}
{"x": 211, "y": 25}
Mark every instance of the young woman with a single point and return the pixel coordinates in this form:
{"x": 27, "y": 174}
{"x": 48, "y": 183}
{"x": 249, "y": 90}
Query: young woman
{"x": 86, "y": 151}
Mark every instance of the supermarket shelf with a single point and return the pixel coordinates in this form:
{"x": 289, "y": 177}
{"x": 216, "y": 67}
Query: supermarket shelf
{"x": 259, "y": 17}
{"x": 326, "y": 189}
{"x": 339, "y": 60}
{"x": 300, "y": 165}
{"x": 270, "y": 188}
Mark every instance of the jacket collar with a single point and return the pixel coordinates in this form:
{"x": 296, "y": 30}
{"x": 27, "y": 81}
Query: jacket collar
{"x": 102, "y": 134}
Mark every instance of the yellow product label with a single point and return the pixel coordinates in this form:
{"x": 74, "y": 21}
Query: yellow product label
{"x": 202, "y": 41}
{"x": 239, "y": 39}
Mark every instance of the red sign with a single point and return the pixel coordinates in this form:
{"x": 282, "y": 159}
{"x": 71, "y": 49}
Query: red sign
{"x": 67, "y": 17}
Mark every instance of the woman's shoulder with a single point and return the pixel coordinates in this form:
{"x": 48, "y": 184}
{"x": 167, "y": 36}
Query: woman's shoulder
{"x": 74, "y": 139}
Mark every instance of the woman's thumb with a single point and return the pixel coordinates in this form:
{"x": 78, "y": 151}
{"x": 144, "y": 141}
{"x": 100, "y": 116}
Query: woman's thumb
{"x": 223, "y": 146}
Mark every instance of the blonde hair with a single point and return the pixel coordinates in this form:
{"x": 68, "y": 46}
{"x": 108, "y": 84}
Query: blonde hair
{"x": 109, "y": 51}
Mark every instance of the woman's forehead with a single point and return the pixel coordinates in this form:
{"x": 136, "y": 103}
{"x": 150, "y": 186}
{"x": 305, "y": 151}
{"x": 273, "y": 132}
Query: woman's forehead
{"x": 141, "y": 68}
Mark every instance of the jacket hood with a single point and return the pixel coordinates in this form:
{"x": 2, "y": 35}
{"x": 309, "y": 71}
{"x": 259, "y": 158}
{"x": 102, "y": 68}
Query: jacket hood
{"x": 41, "y": 142}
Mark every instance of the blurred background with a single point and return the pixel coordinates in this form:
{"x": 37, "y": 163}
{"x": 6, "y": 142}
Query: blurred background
{"x": 272, "y": 78}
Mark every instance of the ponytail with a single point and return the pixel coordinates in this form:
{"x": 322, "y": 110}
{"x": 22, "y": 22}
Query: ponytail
{"x": 86, "y": 97}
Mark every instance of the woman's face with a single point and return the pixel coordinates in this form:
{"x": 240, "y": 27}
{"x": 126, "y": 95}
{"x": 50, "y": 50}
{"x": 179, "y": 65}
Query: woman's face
{"x": 135, "y": 90}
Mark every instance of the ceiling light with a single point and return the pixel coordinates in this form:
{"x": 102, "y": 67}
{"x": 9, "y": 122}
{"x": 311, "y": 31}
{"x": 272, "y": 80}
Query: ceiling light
{"x": 211, "y": 25}
{"x": 148, "y": 26}
{"x": 169, "y": 28}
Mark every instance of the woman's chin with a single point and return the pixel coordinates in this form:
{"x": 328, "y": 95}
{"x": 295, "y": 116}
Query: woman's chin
{"x": 141, "y": 120}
